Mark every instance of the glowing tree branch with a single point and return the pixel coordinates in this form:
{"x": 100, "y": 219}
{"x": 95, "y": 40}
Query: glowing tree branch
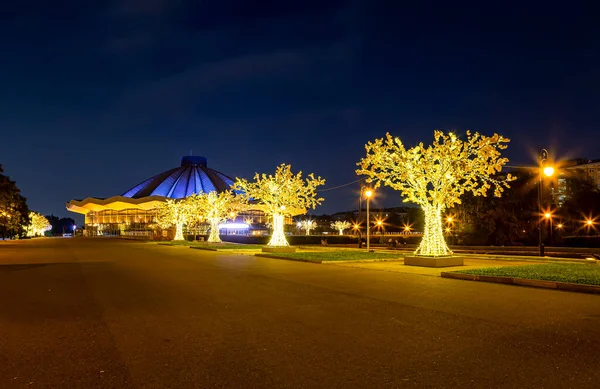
{"x": 280, "y": 195}
{"x": 216, "y": 208}
{"x": 38, "y": 224}
{"x": 174, "y": 213}
{"x": 436, "y": 176}
{"x": 340, "y": 226}
{"x": 306, "y": 225}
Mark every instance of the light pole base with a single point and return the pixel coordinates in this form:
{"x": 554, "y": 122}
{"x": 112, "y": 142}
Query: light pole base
{"x": 424, "y": 261}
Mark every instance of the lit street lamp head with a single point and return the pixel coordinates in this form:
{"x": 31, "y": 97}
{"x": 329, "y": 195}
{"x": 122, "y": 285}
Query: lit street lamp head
{"x": 368, "y": 193}
{"x": 549, "y": 171}
{"x": 547, "y": 215}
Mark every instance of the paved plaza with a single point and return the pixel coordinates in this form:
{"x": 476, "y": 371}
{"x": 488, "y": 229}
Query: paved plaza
{"x": 106, "y": 313}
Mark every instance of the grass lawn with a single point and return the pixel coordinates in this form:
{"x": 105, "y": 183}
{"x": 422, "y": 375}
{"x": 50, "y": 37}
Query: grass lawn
{"x": 576, "y": 273}
{"x": 339, "y": 255}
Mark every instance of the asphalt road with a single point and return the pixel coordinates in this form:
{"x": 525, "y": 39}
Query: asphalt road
{"x": 78, "y": 313}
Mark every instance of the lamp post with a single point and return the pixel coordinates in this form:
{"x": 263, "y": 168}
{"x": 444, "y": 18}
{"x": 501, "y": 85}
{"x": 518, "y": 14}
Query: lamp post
{"x": 368, "y": 194}
{"x": 547, "y": 171}
{"x": 548, "y": 216}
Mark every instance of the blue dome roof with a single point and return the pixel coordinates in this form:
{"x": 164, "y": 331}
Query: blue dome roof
{"x": 192, "y": 177}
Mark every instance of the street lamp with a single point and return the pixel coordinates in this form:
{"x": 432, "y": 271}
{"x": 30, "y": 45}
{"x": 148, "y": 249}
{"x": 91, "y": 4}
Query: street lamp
{"x": 547, "y": 171}
{"x": 368, "y": 194}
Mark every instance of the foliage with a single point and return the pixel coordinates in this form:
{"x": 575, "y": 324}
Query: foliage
{"x": 38, "y": 224}
{"x": 582, "y": 202}
{"x": 280, "y": 195}
{"x": 510, "y": 219}
{"x": 340, "y": 226}
{"x": 174, "y": 212}
{"x": 14, "y": 213}
{"x": 435, "y": 177}
{"x": 216, "y": 208}
{"x": 60, "y": 225}
{"x": 283, "y": 193}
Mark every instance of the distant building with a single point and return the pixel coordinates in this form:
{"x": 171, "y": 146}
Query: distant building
{"x": 587, "y": 169}
{"x": 578, "y": 167}
{"x": 133, "y": 212}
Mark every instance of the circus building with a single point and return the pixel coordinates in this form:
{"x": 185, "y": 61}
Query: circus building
{"x": 132, "y": 213}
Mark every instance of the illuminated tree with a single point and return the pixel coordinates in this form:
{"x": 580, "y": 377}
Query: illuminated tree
{"x": 38, "y": 224}
{"x": 306, "y": 225}
{"x": 216, "y": 208}
{"x": 280, "y": 195}
{"x": 436, "y": 176}
{"x": 174, "y": 212}
{"x": 340, "y": 226}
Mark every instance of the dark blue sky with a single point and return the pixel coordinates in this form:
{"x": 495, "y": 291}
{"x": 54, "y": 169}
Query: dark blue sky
{"x": 98, "y": 95}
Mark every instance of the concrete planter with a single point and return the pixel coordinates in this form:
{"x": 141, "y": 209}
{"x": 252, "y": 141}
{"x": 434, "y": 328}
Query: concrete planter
{"x": 415, "y": 260}
{"x": 278, "y": 249}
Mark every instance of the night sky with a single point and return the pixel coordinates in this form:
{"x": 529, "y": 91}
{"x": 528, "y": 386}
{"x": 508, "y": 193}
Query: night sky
{"x": 97, "y": 96}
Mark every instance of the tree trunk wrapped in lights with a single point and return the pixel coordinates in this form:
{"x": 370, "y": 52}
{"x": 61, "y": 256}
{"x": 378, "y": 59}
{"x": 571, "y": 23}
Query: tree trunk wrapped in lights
{"x": 174, "y": 213}
{"x": 306, "y": 225}
{"x": 435, "y": 177}
{"x": 278, "y": 238}
{"x": 281, "y": 195}
{"x": 340, "y": 226}
{"x": 216, "y": 208}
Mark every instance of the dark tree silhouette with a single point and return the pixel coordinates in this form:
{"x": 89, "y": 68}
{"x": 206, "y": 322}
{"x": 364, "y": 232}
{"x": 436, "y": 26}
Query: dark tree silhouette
{"x": 14, "y": 213}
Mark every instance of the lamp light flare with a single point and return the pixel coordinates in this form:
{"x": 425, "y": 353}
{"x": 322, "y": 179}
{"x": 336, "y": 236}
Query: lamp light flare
{"x": 547, "y": 215}
{"x": 548, "y": 171}
{"x": 368, "y": 193}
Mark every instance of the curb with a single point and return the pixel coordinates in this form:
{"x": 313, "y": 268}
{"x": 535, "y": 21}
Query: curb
{"x": 364, "y": 261}
{"x": 202, "y": 248}
{"x": 286, "y": 258}
{"x": 581, "y": 288}
{"x": 237, "y": 251}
